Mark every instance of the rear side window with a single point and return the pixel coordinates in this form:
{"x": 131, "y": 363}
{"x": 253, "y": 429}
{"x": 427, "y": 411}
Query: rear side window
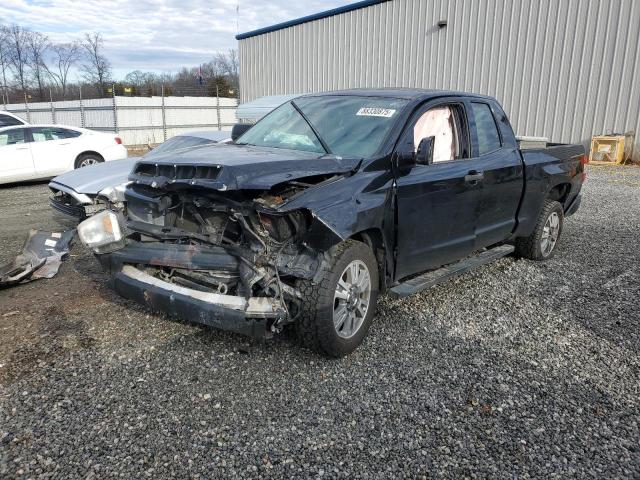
{"x": 60, "y": 133}
{"x": 12, "y": 137}
{"x": 8, "y": 121}
{"x": 488, "y": 136}
{"x": 43, "y": 134}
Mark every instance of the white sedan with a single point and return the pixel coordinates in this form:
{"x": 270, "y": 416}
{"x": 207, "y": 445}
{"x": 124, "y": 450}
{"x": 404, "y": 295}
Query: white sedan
{"x": 34, "y": 152}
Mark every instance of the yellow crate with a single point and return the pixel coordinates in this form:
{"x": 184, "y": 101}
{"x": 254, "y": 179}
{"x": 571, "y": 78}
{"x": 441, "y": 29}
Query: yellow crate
{"x": 617, "y": 149}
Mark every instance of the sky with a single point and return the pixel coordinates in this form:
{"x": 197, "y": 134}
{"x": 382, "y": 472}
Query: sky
{"x": 156, "y": 35}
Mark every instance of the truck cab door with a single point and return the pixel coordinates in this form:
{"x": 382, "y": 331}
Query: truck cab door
{"x": 437, "y": 204}
{"x": 496, "y": 153}
{"x": 16, "y": 163}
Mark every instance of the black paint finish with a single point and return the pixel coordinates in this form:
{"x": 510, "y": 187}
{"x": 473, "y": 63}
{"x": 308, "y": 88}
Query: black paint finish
{"x": 424, "y": 216}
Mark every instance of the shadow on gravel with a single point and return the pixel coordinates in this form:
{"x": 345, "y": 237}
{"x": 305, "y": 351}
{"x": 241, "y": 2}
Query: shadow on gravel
{"x": 56, "y": 336}
{"x": 5, "y": 187}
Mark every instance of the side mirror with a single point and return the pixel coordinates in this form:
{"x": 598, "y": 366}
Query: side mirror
{"x": 424, "y": 155}
{"x": 238, "y": 129}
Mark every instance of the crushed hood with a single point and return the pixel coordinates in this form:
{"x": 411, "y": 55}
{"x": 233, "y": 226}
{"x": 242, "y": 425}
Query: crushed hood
{"x": 234, "y": 167}
{"x": 93, "y": 179}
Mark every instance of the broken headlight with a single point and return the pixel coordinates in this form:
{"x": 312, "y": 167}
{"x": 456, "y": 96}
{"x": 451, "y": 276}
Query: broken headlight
{"x": 102, "y": 232}
{"x": 114, "y": 194}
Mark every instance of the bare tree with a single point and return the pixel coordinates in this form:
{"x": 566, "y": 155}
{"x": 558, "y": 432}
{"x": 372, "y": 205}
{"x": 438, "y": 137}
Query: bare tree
{"x": 96, "y": 69}
{"x": 19, "y": 54}
{"x": 228, "y": 65}
{"x": 63, "y": 57}
{"x": 37, "y": 45}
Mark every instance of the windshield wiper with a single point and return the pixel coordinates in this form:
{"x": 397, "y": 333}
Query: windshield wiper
{"x": 313, "y": 129}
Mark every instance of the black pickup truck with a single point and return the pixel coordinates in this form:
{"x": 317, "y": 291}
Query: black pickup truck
{"x": 327, "y": 202}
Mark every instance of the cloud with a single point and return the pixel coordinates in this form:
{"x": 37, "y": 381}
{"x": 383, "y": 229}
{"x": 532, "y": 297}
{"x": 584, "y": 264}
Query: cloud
{"x": 161, "y": 35}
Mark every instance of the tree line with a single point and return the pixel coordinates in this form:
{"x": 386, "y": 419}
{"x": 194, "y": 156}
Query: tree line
{"x": 219, "y": 76}
{"x": 33, "y": 68}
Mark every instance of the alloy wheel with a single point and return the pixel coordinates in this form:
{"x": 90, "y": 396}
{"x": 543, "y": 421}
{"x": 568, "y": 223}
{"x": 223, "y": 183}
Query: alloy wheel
{"x": 88, "y": 161}
{"x": 550, "y": 233}
{"x": 351, "y": 299}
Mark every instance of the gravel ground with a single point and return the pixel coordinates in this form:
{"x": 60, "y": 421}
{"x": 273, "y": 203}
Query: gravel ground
{"x": 519, "y": 369}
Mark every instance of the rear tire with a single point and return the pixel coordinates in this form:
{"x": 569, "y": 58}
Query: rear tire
{"x": 88, "y": 159}
{"x": 542, "y": 243}
{"x": 333, "y": 318}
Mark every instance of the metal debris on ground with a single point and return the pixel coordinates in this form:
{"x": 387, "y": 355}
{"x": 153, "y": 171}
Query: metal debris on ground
{"x": 40, "y": 258}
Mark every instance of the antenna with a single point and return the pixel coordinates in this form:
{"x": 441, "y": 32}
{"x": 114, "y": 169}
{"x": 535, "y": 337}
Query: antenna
{"x": 238, "y": 17}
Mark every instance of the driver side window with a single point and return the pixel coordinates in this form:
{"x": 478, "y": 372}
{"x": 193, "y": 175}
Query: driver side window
{"x": 443, "y": 123}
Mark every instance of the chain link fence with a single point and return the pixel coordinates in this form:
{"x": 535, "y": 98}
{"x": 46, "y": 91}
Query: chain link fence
{"x": 139, "y": 120}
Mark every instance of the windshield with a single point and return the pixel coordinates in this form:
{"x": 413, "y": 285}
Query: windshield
{"x": 349, "y": 126}
{"x": 178, "y": 143}
{"x": 283, "y": 128}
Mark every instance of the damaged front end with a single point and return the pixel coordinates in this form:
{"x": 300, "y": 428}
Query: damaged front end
{"x": 79, "y": 206}
{"x": 229, "y": 259}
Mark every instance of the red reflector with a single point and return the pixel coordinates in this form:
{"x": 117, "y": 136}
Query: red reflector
{"x": 118, "y": 140}
{"x": 584, "y": 159}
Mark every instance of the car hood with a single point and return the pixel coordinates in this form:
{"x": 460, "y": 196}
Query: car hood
{"x": 93, "y": 179}
{"x": 235, "y": 167}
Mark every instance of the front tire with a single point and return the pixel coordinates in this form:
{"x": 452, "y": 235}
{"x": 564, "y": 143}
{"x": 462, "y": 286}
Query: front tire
{"x": 336, "y": 313}
{"x": 542, "y": 243}
{"x": 88, "y": 159}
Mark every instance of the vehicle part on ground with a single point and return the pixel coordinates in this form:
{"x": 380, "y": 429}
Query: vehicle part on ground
{"x": 541, "y": 244}
{"x": 40, "y": 258}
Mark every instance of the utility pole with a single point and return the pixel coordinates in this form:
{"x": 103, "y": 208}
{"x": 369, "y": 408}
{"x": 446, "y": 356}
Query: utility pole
{"x": 218, "y": 106}
{"x": 53, "y": 109}
{"x": 164, "y": 116}
{"x": 26, "y": 106}
{"x": 115, "y": 108}
{"x": 81, "y": 106}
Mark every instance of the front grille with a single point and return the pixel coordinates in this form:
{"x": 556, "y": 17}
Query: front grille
{"x": 67, "y": 205}
{"x": 177, "y": 173}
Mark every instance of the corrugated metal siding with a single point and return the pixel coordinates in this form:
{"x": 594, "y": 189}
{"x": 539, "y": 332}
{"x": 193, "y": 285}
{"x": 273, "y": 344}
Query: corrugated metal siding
{"x": 562, "y": 69}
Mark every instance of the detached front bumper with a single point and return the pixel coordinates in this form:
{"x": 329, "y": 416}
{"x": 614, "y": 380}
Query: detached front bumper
{"x": 248, "y": 316}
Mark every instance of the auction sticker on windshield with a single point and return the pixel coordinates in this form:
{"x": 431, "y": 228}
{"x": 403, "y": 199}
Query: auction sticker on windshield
{"x": 375, "y": 112}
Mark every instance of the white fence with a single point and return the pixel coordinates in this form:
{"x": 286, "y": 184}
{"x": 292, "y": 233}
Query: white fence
{"x": 138, "y": 120}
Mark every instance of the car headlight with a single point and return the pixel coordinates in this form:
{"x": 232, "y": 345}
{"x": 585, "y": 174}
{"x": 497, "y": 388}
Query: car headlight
{"x": 102, "y": 232}
{"x": 114, "y": 194}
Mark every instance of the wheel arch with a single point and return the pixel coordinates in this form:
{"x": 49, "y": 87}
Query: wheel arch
{"x": 86, "y": 152}
{"x": 374, "y": 239}
{"x": 559, "y": 192}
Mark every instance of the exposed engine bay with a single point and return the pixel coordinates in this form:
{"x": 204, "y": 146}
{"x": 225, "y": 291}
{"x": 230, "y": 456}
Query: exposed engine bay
{"x": 273, "y": 249}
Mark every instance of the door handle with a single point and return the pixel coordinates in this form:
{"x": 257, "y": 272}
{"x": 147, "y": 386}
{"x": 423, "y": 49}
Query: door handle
{"x": 473, "y": 177}
{"x": 22, "y": 148}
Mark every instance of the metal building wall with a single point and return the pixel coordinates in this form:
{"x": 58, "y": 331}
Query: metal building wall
{"x": 564, "y": 69}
